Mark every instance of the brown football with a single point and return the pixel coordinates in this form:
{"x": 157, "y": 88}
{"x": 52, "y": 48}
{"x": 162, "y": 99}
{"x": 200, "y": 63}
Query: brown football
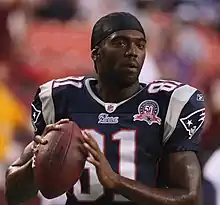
{"x": 61, "y": 161}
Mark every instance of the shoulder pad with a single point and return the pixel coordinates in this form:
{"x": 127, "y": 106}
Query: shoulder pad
{"x": 55, "y": 89}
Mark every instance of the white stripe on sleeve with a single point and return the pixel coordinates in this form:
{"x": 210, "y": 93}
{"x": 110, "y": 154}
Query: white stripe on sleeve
{"x": 48, "y": 109}
{"x": 178, "y": 100}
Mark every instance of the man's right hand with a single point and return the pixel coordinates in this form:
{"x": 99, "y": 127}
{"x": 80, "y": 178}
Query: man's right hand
{"x": 39, "y": 140}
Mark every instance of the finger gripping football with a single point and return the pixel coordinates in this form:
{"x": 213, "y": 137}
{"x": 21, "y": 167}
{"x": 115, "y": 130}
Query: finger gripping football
{"x": 60, "y": 162}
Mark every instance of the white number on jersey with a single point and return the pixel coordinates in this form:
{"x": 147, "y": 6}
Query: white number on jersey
{"x": 75, "y": 81}
{"x": 127, "y": 168}
{"x": 163, "y": 85}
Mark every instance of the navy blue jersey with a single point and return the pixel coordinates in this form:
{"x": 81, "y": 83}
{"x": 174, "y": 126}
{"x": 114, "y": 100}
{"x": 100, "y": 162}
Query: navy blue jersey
{"x": 162, "y": 118}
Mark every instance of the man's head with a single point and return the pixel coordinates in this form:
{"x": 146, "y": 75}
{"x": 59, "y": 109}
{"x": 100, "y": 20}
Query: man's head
{"x": 118, "y": 47}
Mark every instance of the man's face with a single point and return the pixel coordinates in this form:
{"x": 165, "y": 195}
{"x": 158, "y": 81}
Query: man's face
{"x": 122, "y": 55}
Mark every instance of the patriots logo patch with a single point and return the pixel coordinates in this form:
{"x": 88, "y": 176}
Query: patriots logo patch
{"x": 193, "y": 121}
{"x": 35, "y": 115}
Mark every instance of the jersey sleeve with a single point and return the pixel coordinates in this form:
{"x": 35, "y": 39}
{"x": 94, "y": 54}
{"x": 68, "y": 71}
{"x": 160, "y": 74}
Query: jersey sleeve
{"x": 42, "y": 108}
{"x": 50, "y": 103}
{"x": 184, "y": 120}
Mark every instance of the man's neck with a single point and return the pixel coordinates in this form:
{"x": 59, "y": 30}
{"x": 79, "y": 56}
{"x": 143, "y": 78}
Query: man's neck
{"x": 115, "y": 94}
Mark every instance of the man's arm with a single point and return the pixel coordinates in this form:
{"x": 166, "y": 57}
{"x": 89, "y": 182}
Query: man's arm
{"x": 20, "y": 184}
{"x": 20, "y": 181}
{"x": 183, "y": 174}
{"x": 181, "y": 171}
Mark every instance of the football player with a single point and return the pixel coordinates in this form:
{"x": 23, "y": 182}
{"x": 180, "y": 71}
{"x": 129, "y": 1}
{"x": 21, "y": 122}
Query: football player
{"x": 142, "y": 139}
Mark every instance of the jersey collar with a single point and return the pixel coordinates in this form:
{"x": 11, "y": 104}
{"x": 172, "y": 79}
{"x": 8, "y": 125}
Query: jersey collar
{"x": 109, "y": 107}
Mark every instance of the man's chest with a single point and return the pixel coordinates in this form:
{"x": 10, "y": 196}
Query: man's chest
{"x": 133, "y": 124}
{"x": 124, "y": 132}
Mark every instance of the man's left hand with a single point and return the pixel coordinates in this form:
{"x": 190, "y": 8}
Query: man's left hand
{"x": 106, "y": 175}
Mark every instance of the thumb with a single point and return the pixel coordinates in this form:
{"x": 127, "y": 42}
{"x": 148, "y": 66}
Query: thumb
{"x": 39, "y": 140}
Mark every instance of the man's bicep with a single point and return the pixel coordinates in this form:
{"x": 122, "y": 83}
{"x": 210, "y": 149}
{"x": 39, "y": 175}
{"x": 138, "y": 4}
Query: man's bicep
{"x": 183, "y": 126}
{"x": 182, "y": 170}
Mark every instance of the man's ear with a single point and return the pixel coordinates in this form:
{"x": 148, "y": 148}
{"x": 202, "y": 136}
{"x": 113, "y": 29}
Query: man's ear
{"x": 95, "y": 53}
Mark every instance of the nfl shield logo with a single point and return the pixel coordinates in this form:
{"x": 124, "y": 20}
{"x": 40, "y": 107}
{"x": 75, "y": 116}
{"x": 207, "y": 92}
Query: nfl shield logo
{"x": 110, "y": 107}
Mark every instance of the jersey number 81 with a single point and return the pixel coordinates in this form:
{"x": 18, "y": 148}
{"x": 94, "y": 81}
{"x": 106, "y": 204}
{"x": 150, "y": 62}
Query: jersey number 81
{"x": 163, "y": 85}
{"x": 126, "y": 140}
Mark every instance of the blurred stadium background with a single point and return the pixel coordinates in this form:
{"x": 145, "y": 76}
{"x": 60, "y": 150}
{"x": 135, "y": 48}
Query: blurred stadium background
{"x": 45, "y": 39}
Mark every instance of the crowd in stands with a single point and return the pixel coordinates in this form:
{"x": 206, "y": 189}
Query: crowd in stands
{"x": 48, "y": 40}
